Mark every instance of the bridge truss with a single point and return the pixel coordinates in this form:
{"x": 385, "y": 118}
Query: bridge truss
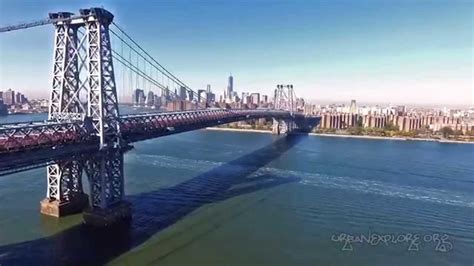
{"x": 85, "y": 131}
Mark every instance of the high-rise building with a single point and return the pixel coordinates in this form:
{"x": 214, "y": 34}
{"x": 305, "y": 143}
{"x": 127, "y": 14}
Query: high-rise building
{"x": 230, "y": 86}
{"x": 157, "y": 101}
{"x": 191, "y": 95}
{"x": 201, "y": 95}
{"x": 150, "y": 99}
{"x": 208, "y": 88}
{"x": 182, "y": 93}
{"x": 20, "y": 98}
{"x": 353, "y": 107}
{"x": 255, "y": 98}
{"x": 1, "y": 95}
{"x": 402, "y": 109}
{"x": 9, "y": 97}
{"x": 264, "y": 99}
{"x": 245, "y": 97}
{"x": 166, "y": 93}
{"x": 3, "y": 108}
{"x": 210, "y": 97}
{"x": 139, "y": 97}
{"x": 164, "y": 100}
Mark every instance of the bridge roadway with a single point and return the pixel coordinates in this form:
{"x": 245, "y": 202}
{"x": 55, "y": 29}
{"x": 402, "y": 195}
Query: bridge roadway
{"x": 25, "y": 146}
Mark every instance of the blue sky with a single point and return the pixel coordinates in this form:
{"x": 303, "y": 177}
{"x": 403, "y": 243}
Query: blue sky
{"x": 372, "y": 51}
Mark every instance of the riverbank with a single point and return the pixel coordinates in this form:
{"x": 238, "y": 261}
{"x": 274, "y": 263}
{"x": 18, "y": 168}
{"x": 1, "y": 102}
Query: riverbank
{"x": 348, "y": 136}
{"x": 238, "y": 129}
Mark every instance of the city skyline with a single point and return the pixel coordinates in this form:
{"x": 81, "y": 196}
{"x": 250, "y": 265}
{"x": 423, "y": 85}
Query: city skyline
{"x": 414, "y": 54}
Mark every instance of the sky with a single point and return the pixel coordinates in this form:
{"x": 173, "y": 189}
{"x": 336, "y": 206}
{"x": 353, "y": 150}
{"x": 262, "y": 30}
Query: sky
{"x": 405, "y": 51}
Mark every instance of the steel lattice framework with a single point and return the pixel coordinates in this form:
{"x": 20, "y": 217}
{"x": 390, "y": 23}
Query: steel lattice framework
{"x": 26, "y": 136}
{"x": 85, "y": 132}
{"x": 52, "y": 135}
{"x": 145, "y": 126}
{"x": 284, "y": 98}
{"x": 105, "y": 171}
{"x": 103, "y": 104}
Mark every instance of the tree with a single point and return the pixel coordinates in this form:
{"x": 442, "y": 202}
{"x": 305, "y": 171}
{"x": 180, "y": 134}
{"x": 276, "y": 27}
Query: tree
{"x": 390, "y": 126}
{"x": 446, "y": 131}
{"x": 355, "y": 130}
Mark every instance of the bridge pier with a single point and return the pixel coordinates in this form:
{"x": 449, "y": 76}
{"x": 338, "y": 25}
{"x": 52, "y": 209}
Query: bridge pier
{"x": 64, "y": 194}
{"x": 283, "y": 126}
{"x": 84, "y": 89}
{"x": 107, "y": 204}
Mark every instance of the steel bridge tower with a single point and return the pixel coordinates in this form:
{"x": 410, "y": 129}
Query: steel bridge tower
{"x": 84, "y": 89}
{"x": 284, "y": 99}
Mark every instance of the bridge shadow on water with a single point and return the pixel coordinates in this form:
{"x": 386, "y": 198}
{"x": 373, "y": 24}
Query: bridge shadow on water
{"x": 152, "y": 212}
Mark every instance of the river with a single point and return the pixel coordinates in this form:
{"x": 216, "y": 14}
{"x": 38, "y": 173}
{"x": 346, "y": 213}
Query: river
{"x": 238, "y": 198}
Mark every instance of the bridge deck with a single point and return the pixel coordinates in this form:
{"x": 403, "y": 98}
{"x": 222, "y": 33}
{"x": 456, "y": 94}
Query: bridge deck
{"x": 34, "y": 144}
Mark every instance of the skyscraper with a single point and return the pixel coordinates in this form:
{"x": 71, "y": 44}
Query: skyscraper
{"x": 230, "y": 86}
{"x": 182, "y": 93}
{"x": 150, "y": 99}
{"x": 210, "y": 97}
{"x": 9, "y": 97}
{"x": 353, "y": 107}
{"x": 166, "y": 93}
{"x": 255, "y": 98}
{"x": 201, "y": 95}
{"x": 139, "y": 97}
{"x": 20, "y": 98}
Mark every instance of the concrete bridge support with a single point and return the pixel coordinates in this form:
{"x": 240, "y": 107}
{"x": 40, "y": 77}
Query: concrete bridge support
{"x": 64, "y": 194}
{"x": 283, "y": 126}
{"x": 107, "y": 205}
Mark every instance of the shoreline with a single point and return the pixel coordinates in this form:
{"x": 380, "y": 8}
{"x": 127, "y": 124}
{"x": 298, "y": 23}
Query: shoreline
{"x": 238, "y": 129}
{"x": 344, "y": 136}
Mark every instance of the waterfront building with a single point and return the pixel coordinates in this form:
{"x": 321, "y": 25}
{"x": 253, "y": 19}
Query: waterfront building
{"x": 9, "y": 97}
{"x": 20, "y": 98}
{"x": 353, "y": 107}
{"x": 3, "y": 108}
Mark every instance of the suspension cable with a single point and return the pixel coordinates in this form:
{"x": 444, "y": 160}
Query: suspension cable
{"x": 168, "y": 73}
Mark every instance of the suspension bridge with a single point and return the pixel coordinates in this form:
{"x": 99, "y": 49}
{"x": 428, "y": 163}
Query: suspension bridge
{"x": 85, "y": 132}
